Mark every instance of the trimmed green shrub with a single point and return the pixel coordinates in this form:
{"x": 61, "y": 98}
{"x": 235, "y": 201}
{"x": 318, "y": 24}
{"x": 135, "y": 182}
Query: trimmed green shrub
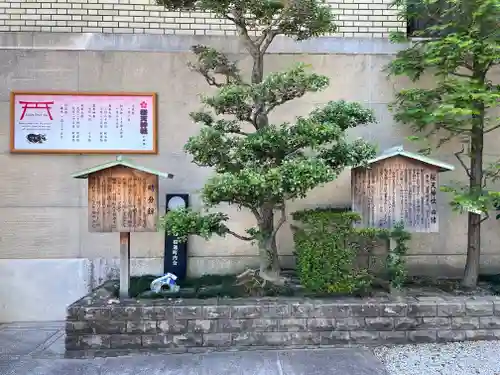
{"x": 327, "y": 247}
{"x": 326, "y": 251}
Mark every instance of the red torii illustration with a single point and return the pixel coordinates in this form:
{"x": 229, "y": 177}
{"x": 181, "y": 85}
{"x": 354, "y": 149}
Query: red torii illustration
{"x": 35, "y": 105}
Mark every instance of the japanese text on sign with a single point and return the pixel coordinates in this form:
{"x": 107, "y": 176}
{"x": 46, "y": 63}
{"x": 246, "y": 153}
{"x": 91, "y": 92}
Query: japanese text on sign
{"x": 120, "y": 201}
{"x": 75, "y": 123}
{"x": 393, "y": 191}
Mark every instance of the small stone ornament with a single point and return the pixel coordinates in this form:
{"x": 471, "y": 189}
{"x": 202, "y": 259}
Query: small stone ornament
{"x": 169, "y": 279}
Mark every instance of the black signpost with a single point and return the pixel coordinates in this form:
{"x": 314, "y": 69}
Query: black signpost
{"x": 175, "y": 256}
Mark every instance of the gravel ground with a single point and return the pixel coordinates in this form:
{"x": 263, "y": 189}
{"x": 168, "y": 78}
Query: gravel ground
{"x": 458, "y": 358}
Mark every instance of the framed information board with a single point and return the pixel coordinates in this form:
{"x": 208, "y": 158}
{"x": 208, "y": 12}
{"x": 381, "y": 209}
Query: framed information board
{"x": 83, "y": 123}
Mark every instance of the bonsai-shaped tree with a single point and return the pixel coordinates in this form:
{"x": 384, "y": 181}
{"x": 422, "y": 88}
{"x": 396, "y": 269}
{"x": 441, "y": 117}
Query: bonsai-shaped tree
{"x": 260, "y": 166}
{"x": 460, "y": 48}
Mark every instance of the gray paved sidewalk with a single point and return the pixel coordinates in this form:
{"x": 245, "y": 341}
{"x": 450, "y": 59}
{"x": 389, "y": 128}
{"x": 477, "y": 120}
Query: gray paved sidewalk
{"x": 38, "y": 348}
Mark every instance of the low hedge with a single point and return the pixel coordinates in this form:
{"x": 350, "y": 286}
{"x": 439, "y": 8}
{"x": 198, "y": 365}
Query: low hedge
{"x": 327, "y": 246}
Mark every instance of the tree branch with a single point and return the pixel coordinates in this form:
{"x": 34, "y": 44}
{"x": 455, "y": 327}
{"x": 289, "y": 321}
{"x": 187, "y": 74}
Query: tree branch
{"x": 239, "y": 236}
{"x": 461, "y": 75}
{"x": 238, "y": 20}
{"x": 457, "y": 155}
{"x": 255, "y": 212}
{"x": 492, "y": 128}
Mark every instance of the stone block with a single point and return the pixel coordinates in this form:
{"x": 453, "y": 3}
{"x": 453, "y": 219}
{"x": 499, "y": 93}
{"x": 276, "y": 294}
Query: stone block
{"x": 107, "y": 327}
{"x": 302, "y": 310}
{"x": 275, "y": 310}
{"x": 247, "y": 338}
{"x": 202, "y": 326}
{"x": 72, "y": 342}
{"x": 74, "y": 313}
{"x": 482, "y": 334}
{"x": 321, "y": 324}
{"x": 188, "y": 339}
{"x": 188, "y": 312}
{"x": 450, "y": 335}
{"x": 216, "y": 312}
{"x": 405, "y": 323}
{"x": 243, "y": 325}
{"x": 301, "y": 338}
{"x": 392, "y": 337}
{"x": 364, "y": 337}
{"x": 348, "y": 324}
{"x": 334, "y": 337}
{"x": 246, "y": 312}
{"x": 158, "y": 340}
{"x": 293, "y": 325}
{"x": 479, "y": 308}
{"x": 334, "y": 310}
{"x": 435, "y": 323}
{"x": 449, "y": 309}
{"x": 422, "y": 336}
{"x": 365, "y": 309}
{"x": 96, "y": 313}
{"x": 95, "y": 342}
{"x": 78, "y": 327}
{"x": 393, "y": 309}
{"x": 217, "y": 339}
{"x": 157, "y": 312}
{"x": 379, "y": 324}
{"x": 172, "y": 326}
{"x": 275, "y": 338}
{"x": 125, "y": 341}
{"x": 291, "y": 338}
{"x": 121, "y": 312}
{"x": 233, "y": 325}
{"x": 496, "y": 307}
{"x": 264, "y": 325}
{"x": 146, "y": 326}
{"x": 489, "y": 322}
{"x": 465, "y": 323}
{"x": 422, "y": 309}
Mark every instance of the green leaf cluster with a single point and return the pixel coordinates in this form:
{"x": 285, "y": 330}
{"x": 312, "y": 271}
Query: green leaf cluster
{"x": 459, "y": 50}
{"x": 301, "y": 19}
{"x": 395, "y": 261}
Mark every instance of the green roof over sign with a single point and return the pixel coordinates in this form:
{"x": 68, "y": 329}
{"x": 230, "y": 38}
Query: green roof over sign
{"x": 399, "y": 151}
{"x": 120, "y": 161}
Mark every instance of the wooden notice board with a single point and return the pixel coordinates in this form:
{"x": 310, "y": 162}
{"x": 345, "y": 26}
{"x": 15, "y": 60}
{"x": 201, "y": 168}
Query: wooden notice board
{"x": 122, "y": 199}
{"x": 394, "y": 190}
{"x": 83, "y": 123}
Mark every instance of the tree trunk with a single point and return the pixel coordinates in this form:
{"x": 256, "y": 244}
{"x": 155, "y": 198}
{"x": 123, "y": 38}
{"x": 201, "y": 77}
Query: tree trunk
{"x": 268, "y": 249}
{"x": 471, "y": 272}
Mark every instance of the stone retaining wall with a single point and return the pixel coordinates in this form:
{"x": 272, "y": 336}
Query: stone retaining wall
{"x": 104, "y": 323}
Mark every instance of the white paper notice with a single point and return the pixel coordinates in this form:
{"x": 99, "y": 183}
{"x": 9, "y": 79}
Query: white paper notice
{"x": 81, "y": 123}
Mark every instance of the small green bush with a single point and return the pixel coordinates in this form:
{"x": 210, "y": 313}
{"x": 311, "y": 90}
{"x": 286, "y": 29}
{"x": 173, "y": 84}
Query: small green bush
{"x": 326, "y": 246}
{"x": 395, "y": 261}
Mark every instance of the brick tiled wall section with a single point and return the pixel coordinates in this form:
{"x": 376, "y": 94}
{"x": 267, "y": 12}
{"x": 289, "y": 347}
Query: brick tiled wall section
{"x": 100, "y": 323}
{"x": 355, "y": 18}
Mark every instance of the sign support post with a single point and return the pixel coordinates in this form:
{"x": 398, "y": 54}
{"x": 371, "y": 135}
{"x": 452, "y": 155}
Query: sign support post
{"x": 124, "y": 264}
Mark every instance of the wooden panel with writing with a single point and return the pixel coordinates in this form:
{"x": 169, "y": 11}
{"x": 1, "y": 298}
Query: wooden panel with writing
{"x": 122, "y": 199}
{"x": 394, "y": 190}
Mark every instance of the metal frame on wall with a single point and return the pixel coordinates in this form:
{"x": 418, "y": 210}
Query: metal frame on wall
{"x": 14, "y": 126}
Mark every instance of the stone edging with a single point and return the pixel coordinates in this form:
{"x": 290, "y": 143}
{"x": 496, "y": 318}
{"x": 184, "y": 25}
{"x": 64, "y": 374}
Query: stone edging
{"x": 51, "y": 41}
{"x": 100, "y": 323}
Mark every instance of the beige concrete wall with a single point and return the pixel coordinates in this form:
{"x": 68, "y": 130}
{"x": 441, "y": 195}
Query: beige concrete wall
{"x": 355, "y": 18}
{"x": 43, "y": 227}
